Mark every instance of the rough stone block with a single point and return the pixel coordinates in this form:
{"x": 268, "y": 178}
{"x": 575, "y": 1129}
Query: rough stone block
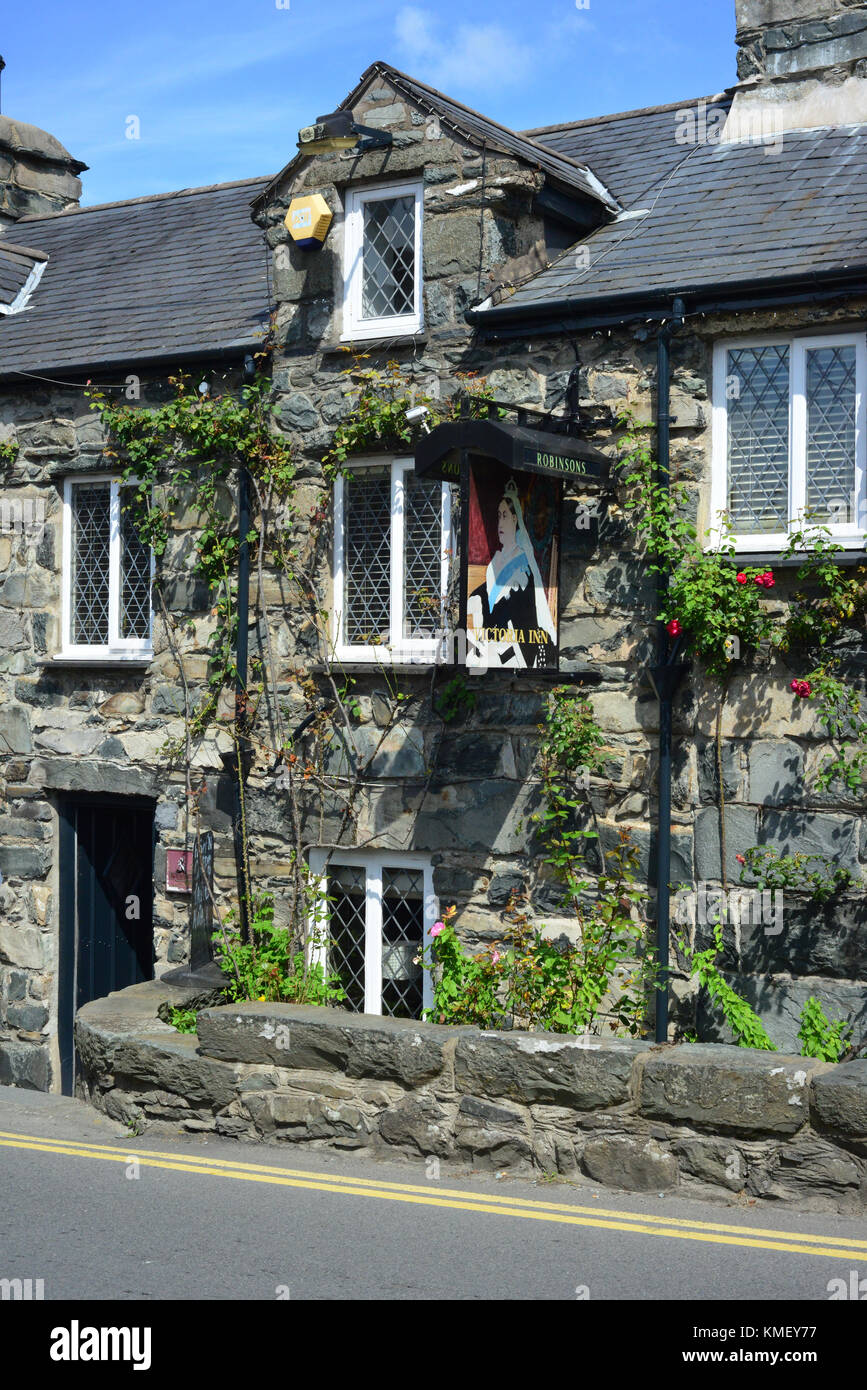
{"x": 838, "y": 1100}
{"x": 811, "y": 1172}
{"x": 732, "y": 1089}
{"x": 546, "y": 1067}
{"x": 495, "y": 1135}
{"x": 170, "y": 1063}
{"x": 832, "y": 837}
{"x": 713, "y": 1161}
{"x": 419, "y": 1123}
{"x": 396, "y": 1050}
{"x": 286, "y": 1034}
{"x": 289, "y": 1115}
{"x": 14, "y": 731}
{"x": 776, "y": 773}
{"x": 29, "y": 1017}
{"x": 741, "y": 834}
{"x": 629, "y": 1162}
{"x": 26, "y": 1065}
{"x": 20, "y": 945}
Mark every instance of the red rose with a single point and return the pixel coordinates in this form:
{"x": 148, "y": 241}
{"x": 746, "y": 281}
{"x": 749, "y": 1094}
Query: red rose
{"x": 806, "y": 690}
{"x": 741, "y": 578}
{"x": 674, "y": 628}
{"x": 768, "y": 580}
{"x": 740, "y": 859}
{"x": 794, "y": 686}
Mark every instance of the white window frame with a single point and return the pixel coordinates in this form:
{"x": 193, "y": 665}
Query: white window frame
{"x": 400, "y": 649}
{"x": 355, "y": 327}
{"x": 373, "y": 862}
{"x": 118, "y": 648}
{"x": 850, "y": 535}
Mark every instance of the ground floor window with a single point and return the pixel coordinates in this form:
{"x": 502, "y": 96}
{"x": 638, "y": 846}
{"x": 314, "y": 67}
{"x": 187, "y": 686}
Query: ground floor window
{"x": 374, "y": 916}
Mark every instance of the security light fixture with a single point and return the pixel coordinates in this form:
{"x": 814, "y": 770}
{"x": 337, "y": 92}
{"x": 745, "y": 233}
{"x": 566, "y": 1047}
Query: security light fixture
{"x": 338, "y": 131}
{"x": 416, "y": 415}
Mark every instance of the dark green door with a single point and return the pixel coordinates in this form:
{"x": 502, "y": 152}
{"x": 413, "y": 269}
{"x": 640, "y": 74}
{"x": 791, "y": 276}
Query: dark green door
{"x": 106, "y": 887}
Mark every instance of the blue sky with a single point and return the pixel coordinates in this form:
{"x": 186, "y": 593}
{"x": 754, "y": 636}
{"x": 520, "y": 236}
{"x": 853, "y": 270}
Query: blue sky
{"x": 220, "y": 87}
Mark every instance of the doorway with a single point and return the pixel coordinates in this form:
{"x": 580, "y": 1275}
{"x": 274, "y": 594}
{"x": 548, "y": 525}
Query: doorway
{"x": 106, "y": 907}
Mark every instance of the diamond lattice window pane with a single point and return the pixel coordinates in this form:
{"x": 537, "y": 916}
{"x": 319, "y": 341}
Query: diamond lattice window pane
{"x": 830, "y": 431}
{"x": 135, "y": 579}
{"x": 758, "y": 438}
{"x": 91, "y": 536}
{"x": 388, "y": 269}
{"x": 422, "y": 556}
{"x": 367, "y": 559}
{"x": 346, "y": 932}
{"x": 402, "y": 930}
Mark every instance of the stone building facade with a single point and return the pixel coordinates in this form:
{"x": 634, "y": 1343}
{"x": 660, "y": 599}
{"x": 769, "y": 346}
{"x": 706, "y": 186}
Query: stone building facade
{"x": 566, "y": 248}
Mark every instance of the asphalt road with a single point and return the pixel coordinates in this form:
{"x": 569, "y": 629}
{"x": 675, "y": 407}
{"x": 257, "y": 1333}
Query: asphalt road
{"x": 98, "y": 1214}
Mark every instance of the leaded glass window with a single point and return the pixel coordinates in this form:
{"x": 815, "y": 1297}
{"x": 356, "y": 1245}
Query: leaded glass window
{"x": 759, "y": 439}
{"x": 346, "y": 931}
{"x": 107, "y": 589}
{"x": 370, "y": 929}
{"x": 402, "y": 932}
{"x": 388, "y": 258}
{"x": 792, "y": 452}
{"x": 91, "y": 545}
{"x": 135, "y": 577}
{"x": 422, "y": 556}
{"x": 368, "y": 557}
{"x": 391, "y": 546}
{"x": 831, "y": 423}
{"x": 382, "y": 261}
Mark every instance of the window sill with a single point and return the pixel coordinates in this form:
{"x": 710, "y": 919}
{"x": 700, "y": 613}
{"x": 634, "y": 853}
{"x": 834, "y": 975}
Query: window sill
{"x": 359, "y": 344}
{"x": 113, "y": 663}
{"x": 776, "y": 557}
{"x": 575, "y": 675}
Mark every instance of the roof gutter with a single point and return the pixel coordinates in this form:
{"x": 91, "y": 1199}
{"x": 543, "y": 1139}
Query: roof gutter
{"x": 571, "y": 314}
{"x": 231, "y": 353}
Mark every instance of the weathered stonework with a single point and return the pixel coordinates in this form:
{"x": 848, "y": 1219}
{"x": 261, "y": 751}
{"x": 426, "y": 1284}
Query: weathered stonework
{"x": 462, "y": 792}
{"x": 37, "y": 175}
{"x": 711, "y": 1122}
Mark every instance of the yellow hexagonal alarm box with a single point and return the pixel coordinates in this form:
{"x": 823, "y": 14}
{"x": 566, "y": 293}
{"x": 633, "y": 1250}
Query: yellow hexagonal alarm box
{"x": 308, "y": 220}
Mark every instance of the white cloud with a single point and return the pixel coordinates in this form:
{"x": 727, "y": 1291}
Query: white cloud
{"x": 480, "y": 57}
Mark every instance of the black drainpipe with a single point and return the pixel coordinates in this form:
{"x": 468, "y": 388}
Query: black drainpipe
{"x": 665, "y": 676}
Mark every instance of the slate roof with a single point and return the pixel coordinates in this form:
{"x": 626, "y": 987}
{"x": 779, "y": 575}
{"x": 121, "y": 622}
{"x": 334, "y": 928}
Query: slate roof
{"x": 173, "y": 276}
{"x": 561, "y": 167}
{"x": 631, "y": 150}
{"x": 727, "y": 215}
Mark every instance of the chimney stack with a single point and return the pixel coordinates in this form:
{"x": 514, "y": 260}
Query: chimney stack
{"x": 37, "y": 175}
{"x": 802, "y": 64}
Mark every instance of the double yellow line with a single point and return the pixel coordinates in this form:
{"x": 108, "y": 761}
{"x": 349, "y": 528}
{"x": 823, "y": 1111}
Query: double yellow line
{"x": 674, "y": 1228}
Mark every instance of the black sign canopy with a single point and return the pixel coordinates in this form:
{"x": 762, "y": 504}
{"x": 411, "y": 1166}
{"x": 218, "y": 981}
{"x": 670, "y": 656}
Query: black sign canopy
{"x": 516, "y": 446}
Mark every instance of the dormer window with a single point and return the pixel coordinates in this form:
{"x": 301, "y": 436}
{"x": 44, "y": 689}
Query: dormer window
{"x": 382, "y": 266}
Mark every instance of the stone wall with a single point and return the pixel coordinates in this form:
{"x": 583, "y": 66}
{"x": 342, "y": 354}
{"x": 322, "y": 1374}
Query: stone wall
{"x": 715, "y": 1122}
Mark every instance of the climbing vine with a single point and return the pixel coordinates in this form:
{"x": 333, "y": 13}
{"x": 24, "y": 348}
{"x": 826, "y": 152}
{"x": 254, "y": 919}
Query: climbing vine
{"x": 719, "y": 611}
